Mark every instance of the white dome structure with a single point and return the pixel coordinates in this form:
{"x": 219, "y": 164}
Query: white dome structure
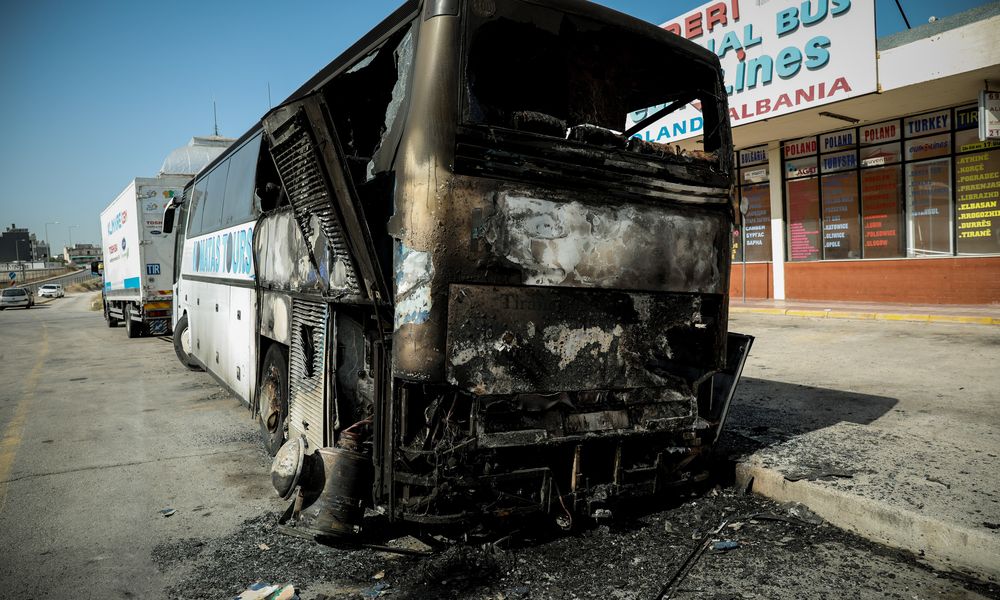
{"x": 190, "y": 159}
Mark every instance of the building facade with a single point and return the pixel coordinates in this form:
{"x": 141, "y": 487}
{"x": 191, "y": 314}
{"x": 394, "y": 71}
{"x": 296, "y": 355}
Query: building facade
{"x": 15, "y": 244}
{"x": 82, "y": 254}
{"x": 868, "y": 182}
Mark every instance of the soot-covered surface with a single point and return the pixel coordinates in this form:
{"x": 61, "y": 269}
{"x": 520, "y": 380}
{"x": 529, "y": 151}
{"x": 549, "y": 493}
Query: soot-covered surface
{"x": 633, "y": 557}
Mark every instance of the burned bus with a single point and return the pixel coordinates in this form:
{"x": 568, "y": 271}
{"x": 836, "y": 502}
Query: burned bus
{"x": 453, "y": 286}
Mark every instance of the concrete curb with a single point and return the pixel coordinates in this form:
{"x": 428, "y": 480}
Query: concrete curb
{"x": 944, "y": 545}
{"x": 861, "y": 315}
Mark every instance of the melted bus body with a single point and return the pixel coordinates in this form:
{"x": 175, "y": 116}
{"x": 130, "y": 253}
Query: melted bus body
{"x": 448, "y": 282}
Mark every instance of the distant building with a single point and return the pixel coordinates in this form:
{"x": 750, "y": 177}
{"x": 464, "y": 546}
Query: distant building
{"x": 82, "y": 254}
{"x": 189, "y": 159}
{"x": 15, "y": 244}
{"x": 41, "y": 248}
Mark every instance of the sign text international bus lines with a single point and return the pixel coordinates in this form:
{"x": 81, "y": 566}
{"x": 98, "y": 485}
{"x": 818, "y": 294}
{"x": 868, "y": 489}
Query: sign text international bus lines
{"x": 778, "y": 57}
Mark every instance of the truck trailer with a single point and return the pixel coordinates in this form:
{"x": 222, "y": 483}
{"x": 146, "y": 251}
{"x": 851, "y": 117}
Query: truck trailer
{"x": 138, "y": 256}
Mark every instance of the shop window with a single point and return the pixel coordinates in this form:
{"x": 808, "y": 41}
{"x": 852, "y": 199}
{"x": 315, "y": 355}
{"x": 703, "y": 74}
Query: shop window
{"x": 977, "y": 203}
{"x": 928, "y": 205}
{"x": 928, "y": 147}
{"x": 841, "y": 231}
{"x": 803, "y": 219}
{"x": 757, "y": 221}
{"x": 800, "y": 167}
{"x": 755, "y": 191}
{"x": 882, "y": 212}
{"x": 881, "y": 154}
{"x": 968, "y": 141}
{"x": 737, "y": 247}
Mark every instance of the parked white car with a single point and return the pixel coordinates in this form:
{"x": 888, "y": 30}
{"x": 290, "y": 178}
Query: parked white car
{"x": 51, "y": 290}
{"x": 12, "y": 297}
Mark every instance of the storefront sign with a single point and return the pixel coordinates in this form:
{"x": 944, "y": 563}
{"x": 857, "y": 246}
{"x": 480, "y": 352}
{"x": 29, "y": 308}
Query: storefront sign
{"x": 927, "y": 124}
{"x": 757, "y": 175}
{"x": 839, "y": 161}
{"x": 967, "y": 131}
{"x": 880, "y": 132}
{"x": 837, "y": 140}
{"x": 753, "y": 156}
{"x": 779, "y": 57}
{"x": 989, "y": 115}
{"x": 800, "y": 147}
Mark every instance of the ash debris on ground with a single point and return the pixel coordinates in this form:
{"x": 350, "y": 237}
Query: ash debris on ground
{"x": 632, "y": 557}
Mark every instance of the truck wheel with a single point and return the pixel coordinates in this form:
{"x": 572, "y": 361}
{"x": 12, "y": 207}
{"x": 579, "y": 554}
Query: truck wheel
{"x": 112, "y": 322}
{"x": 182, "y": 344}
{"x": 272, "y": 398}
{"x": 131, "y": 329}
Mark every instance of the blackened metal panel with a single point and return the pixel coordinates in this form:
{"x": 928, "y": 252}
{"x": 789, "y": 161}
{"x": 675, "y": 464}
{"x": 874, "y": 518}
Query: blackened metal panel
{"x": 724, "y": 382}
{"x": 283, "y": 257}
{"x": 296, "y": 157}
{"x": 557, "y": 240}
{"x": 507, "y": 340}
{"x": 306, "y": 372}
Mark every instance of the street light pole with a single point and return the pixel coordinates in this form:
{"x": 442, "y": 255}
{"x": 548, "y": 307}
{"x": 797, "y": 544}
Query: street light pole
{"x": 71, "y": 228}
{"x": 47, "y": 237}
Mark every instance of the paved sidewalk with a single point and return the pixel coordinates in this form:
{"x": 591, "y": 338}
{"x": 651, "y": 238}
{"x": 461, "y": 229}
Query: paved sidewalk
{"x": 975, "y": 314}
{"x": 888, "y": 429}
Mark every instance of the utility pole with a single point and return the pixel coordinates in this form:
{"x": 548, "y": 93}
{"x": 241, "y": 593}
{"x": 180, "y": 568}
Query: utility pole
{"x": 47, "y": 237}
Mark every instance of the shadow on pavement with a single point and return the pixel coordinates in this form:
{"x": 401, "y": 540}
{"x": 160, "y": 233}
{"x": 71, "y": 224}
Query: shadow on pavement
{"x": 765, "y": 413}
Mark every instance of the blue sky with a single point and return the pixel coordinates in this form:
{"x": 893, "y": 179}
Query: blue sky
{"x": 97, "y": 93}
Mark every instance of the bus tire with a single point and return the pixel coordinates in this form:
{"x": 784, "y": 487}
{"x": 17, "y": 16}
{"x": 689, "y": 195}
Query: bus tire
{"x": 182, "y": 344}
{"x": 272, "y": 395}
{"x": 131, "y": 329}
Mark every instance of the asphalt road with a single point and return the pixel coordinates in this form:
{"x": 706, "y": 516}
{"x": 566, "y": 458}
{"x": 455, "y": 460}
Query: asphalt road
{"x": 99, "y": 433}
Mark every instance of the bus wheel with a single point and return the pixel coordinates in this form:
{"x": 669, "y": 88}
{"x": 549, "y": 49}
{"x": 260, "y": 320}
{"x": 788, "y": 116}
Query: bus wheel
{"x": 131, "y": 329}
{"x": 182, "y": 344}
{"x": 272, "y": 397}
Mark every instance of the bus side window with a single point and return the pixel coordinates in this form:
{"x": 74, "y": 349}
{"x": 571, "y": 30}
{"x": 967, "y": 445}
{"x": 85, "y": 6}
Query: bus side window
{"x": 214, "y": 196}
{"x": 196, "y": 208}
{"x": 366, "y": 100}
{"x": 239, "y": 205}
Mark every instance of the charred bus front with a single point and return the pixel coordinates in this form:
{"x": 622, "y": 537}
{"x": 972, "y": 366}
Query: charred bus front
{"x": 476, "y": 293}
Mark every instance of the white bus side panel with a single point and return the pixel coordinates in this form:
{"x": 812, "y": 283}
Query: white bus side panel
{"x": 216, "y": 289}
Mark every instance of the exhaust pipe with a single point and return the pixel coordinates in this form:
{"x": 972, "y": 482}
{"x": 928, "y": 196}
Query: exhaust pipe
{"x": 331, "y": 487}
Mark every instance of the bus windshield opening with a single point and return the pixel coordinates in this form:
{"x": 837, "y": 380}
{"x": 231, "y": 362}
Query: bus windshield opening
{"x": 551, "y": 73}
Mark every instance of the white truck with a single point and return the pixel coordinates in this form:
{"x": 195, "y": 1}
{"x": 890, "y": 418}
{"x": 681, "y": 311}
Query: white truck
{"x": 139, "y": 257}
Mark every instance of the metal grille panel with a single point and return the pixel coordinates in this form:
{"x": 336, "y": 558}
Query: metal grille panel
{"x": 297, "y": 159}
{"x": 306, "y": 361}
